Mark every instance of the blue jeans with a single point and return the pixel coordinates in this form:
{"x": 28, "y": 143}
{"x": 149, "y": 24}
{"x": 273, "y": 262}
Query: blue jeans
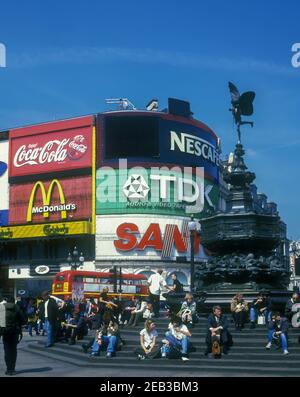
{"x": 50, "y": 334}
{"x": 107, "y": 341}
{"x": 183, "y": 343}
{"x": 32, "y": 326}
{"x": 254, "y": 314}
{"x": 283, "y": 338}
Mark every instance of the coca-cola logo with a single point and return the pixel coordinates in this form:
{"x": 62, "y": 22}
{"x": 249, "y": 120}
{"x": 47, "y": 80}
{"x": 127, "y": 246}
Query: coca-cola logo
{"x": 77, "y": 147}
{"x": 54, "y": 151}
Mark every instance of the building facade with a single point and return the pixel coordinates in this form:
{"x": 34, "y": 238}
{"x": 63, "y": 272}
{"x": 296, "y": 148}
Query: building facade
{"x": 121, "y": 186}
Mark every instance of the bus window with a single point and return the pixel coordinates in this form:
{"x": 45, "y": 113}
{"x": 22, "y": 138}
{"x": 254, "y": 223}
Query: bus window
{"x": 60, "y": 278}
{"x": 78, "y": 279}
{"x": 104, "y": 281}
{"x": 89, "y": 280}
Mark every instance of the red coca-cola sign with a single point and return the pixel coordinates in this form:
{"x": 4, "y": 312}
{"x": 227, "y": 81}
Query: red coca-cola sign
{"x": 40, "y": 151}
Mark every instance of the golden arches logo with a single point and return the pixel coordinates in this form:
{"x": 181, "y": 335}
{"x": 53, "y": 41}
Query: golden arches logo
{"x": 46, "y": 197}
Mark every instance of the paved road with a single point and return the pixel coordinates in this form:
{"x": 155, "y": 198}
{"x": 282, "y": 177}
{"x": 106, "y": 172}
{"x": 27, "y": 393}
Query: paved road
{"x": 32, "y": 365}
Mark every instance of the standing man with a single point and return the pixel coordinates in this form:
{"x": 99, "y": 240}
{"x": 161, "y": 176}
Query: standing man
{"x": 50, "y": 313}
{"x": 11, "y": 321}
{"x": 156, "y": 282}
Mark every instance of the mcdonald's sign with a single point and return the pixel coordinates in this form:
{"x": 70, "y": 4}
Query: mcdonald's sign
{"x": 46, "y": 196}
{"x": 66, "y": 199}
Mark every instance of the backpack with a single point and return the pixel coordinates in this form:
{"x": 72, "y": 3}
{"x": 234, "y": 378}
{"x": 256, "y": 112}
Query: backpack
{"x": 8, "y": 318}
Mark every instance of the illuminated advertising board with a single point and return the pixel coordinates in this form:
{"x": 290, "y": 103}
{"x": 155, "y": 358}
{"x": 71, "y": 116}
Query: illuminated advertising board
{"x": 159, "y": 190}
{"x": 4, "y": 191}
{"x": 145, "y": 238}
{"x": 59, "y": 199}
{"x": 51, "y": 147}
{"x": 157, "y": 138}
{"x": 45, "y": 230}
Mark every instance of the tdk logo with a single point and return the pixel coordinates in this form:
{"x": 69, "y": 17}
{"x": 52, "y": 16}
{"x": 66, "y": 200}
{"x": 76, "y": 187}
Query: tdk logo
{"x": 194, "y": 145}
{"x": 3, "y": 168}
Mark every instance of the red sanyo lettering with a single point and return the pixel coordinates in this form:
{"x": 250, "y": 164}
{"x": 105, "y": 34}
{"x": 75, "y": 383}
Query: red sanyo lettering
{"x": 127, "y": 241}
{"x": 152, "y": 238}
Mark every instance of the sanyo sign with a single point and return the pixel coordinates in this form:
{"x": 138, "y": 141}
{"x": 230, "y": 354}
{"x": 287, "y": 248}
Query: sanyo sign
{"x": 2, "y": 56}
{"x": 192, "y": 144}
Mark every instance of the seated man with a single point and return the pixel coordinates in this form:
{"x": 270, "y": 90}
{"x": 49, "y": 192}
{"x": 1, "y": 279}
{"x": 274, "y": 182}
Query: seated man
{"x": 106, "y": 338}
{"x": 178, "y": 338}
{"x": 217, "y": 331}
{"x": 260, "y": 307}
{"x": 76, "y": 328}
{"x": 278, "y": 329}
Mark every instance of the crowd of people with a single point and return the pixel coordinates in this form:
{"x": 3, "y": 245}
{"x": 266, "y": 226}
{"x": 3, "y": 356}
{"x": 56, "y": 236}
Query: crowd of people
{"x": 103, "y": 318}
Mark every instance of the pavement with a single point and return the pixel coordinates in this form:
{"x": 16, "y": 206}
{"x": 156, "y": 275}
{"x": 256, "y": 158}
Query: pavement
{"x": 247, "y": 358}
{"x": 32, "y": 365}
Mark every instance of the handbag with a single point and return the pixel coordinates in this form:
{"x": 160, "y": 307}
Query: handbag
{"x": 261, "y": 320}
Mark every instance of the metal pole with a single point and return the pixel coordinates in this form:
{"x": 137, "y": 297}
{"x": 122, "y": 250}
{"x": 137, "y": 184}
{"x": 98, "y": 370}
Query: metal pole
{"x": 120, "y": 280}
{"x": 192, "y": 261}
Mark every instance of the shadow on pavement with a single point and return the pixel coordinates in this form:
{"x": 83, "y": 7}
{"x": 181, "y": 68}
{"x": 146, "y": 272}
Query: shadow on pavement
{"x": 42, "y": 369}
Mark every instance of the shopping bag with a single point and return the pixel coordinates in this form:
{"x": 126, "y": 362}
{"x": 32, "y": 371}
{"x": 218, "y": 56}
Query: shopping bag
{"x": 261, "y": 320}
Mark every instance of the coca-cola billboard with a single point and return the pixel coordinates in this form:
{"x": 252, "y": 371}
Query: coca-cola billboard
{"x": 64, "y": 145}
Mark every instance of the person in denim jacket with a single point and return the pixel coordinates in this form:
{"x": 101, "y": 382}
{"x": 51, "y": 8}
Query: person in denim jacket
{"x": 278, "y": 330}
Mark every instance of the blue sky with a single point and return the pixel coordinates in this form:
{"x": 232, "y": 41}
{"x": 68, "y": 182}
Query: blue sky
{"x": 65, "y": 58}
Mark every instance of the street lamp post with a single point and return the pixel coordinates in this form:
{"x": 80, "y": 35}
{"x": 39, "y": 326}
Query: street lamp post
{"x": 74, "y": 259}
{"x": 295, "y": 249}
{"x": 193, "y": 230}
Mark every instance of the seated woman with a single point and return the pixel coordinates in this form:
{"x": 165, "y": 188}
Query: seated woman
{"x": 239, "y": 309}
{"x": 148, "y": 346}
{"x": 106, "y": 339}
{"x": 260, "y": 307}
{"x": 187, "y": 312}
{"x": 127, "y": 310}
{"x": 148, "y": 313}
{"x": 177, "y": 338}
{"x": 137, "y": 313}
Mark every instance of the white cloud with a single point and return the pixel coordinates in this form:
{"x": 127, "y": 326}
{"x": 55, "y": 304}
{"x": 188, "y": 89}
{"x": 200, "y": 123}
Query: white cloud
{"x": 96, "y": 55}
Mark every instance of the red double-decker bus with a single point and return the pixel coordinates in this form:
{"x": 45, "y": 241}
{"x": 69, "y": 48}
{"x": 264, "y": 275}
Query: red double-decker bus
{"x": 79, "y": 284}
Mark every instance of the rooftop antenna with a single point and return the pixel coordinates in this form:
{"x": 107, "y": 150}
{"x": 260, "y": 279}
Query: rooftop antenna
{"x": 123, "y": 103}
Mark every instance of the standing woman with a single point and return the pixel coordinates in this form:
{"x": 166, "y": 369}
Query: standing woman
{"x": 148, "y": 338}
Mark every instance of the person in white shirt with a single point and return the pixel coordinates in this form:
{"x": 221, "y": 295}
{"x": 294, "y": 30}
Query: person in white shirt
{"x": 178, "y": 337}
{"x": 148, "y": 337}
{"x": 156, "y": 283}
{"x": 137, "y": 313}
